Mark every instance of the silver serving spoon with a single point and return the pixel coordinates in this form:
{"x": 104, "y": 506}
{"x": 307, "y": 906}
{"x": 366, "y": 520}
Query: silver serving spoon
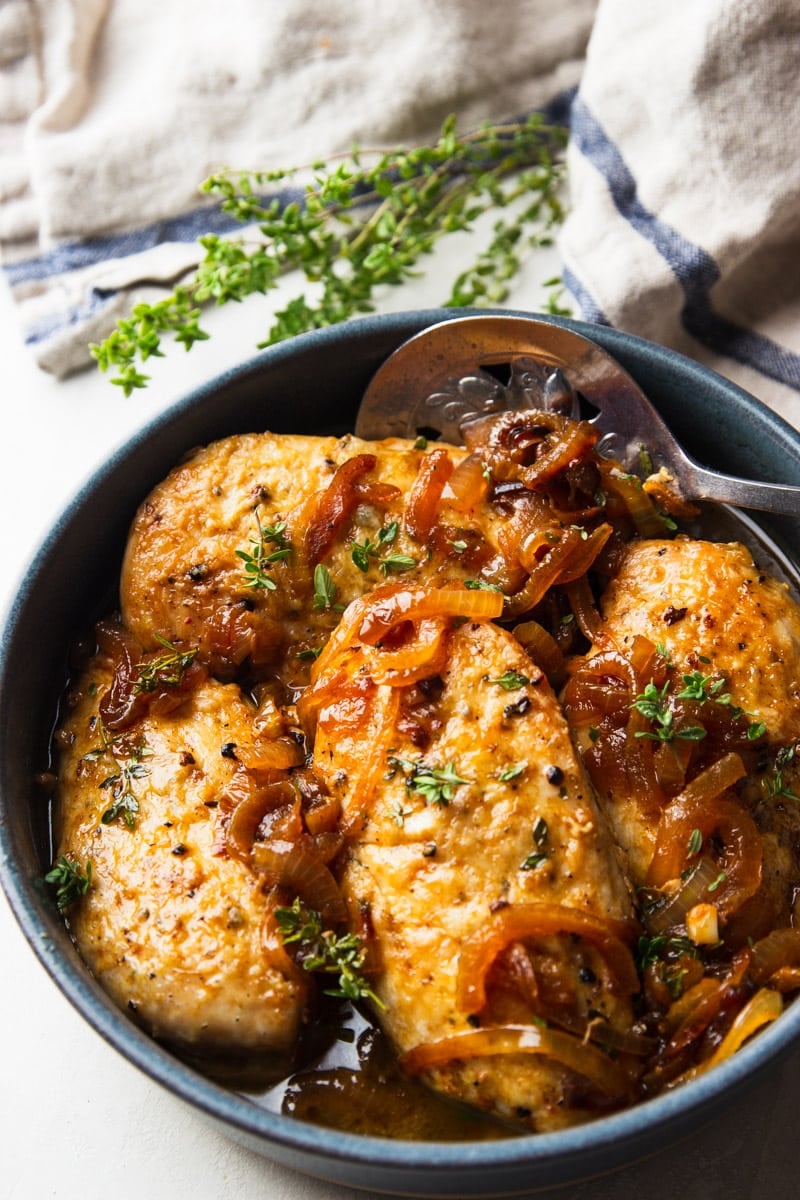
{"x": 437, "y": 382}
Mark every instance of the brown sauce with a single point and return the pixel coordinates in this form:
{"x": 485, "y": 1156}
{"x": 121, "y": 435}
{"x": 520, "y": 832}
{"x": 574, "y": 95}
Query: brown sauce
{"x": 348, "y": 1079}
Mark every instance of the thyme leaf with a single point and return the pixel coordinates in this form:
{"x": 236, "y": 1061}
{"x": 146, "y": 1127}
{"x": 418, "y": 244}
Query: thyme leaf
{"x": 260, "y": 558}
{"x": 325, "y": 590}
{"x": 124, "y": 802}
{"x": 510, "y": 681}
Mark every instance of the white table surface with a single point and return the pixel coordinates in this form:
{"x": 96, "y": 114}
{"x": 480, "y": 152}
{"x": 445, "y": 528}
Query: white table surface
{"x": 76, "y": 1120}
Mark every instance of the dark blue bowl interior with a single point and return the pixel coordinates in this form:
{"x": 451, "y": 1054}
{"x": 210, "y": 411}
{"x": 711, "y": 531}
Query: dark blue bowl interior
{"x": 313, "y": 384}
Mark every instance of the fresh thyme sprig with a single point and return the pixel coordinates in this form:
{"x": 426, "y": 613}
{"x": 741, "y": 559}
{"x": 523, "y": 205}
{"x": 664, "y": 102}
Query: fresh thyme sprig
{"x": 774, "y": 785}
{"x": 124, "y": 802}
{"x": 70, "y": 881}
{"x": 166, "y": 670}
{"x": 653, "y": 704}
{"x": 361, "y": 223}
{"x": 702, "y": 688}
{"x": 324, "y": 951}
{"x": 362, "y": 552}
{"x": 262, "y": 556}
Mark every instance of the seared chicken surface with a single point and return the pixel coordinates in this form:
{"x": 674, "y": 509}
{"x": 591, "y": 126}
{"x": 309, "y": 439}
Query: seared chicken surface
{"x": 521, "y": 829}
{"x": 172, "y": 925}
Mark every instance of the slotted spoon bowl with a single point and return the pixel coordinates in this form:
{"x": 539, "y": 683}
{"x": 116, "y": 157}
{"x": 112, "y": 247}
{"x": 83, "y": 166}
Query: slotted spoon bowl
{"x": 446, "y": 376}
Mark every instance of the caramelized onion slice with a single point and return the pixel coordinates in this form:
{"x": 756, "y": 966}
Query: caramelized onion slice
{"x": 520, "y": 921}
{"x": 426, "y": 491}
{"x": 371, "y": 617}
{"x": 334, "y": 505}
{"x": 603, "y": 684}
{"x": 421, "y": 656}
{"x": 551, "y": 563}
{"x": 580, "y": 1057}
{"x": 143, "y": 682}
{"x": 574, "y": 441}
{"x": 247, "y": 816}
{"x": 690, "y": 1016}
{"x": 249, "y": 796}
{"x": 280, "y": 753}
{"x": 357, "y": 725}
{"x": 541, "y": 646}
{"x": 699, "y": 806}
{"x": 583, "y": 605}
{"x": 785, "y": 979}
{"x": 321, "y": 810}
{"x": 294, "y": 867}
{"x": 760, "y": 1010}
{"x": 692, "y": 890}
{"x": 384, "y": 611}
{"x": 531, "y": 446}
{"x": 120, "y": 705}
{"x": 467, "y": 485}
{"x": 642, "y": 510}
{"x": 704, "y": 806}
{"x": 681, "y": 1009}
{"x": 778, "y": 950}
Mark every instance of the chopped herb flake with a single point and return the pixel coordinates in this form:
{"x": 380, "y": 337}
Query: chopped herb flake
{"x": 510, "y": 681}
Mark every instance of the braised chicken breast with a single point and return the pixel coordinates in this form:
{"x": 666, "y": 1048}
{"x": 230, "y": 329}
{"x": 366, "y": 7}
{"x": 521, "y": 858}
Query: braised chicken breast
{"x": 172, "y": 924}
{"x": 490, "y": 884}
{"x": 251, "y": 547}
{"x": 222, "y": 554}
{"x": 705, "y": 738}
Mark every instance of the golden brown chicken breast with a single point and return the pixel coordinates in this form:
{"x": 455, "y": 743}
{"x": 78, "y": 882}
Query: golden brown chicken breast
{"x": 486, "y": 876}
{"x": 250, "y": 549}
{"x": 172, "y": 924}
{"x": 222, "y": 554}
{"x": 687, "y": 711}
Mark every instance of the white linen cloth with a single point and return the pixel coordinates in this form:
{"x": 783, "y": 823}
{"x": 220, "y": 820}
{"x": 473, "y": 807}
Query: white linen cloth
{"x": 685, "y": 181}
{"x": 684, "y": 177}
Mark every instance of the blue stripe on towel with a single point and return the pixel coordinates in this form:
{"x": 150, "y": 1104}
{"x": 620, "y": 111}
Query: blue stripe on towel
{"x": 72, "y": 256}
{"x": 692, "y": 266}
{"x": 47, "y": 327}
{"x": 590, "y": 309}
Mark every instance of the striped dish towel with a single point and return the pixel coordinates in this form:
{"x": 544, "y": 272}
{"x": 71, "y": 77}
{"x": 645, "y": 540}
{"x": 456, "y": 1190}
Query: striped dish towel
{"x": 112, "y": 112}
{"x": 684, "y": 176}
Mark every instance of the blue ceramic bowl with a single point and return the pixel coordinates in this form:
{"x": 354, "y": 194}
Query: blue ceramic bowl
{"x": 313, "y": 384}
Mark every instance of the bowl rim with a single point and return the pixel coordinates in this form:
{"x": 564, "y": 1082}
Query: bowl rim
{"x": 707, "y": 1093}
